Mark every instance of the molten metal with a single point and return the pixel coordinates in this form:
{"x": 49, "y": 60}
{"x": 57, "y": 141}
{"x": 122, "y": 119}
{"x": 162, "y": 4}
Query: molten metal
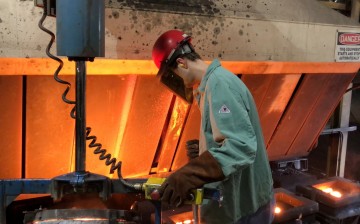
{"x": 188, "y": 221}
{"x": 330, "y": 191}
{"x": 277, "y": 210}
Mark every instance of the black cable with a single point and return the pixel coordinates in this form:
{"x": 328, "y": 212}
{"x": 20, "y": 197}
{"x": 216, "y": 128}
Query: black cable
{"x": 93, "y": 144}
{"x": 61, "y": 63}
{"x": 114, "y": 165}
{"x": 99, "y": 150}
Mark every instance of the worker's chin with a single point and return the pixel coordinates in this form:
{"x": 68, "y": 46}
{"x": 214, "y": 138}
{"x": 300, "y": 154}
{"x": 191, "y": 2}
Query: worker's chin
{"x": 189, "y": 84}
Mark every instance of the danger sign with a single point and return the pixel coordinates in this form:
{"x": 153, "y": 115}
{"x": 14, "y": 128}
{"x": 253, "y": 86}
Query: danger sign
{"x": 347, "y": 47}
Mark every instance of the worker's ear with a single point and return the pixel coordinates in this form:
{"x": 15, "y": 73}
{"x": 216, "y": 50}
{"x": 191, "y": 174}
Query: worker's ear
{"x": 181, "y": 63}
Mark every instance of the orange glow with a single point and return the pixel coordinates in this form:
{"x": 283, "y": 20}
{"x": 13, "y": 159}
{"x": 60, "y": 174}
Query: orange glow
{"x": 336, "y": 194}
{"x": 327, "y": 190}
{"x": 178, "y": 117}
{"x": 145, "y": 124}
{"x": 11, "y": 126}
{"x": 46, "y": 66}
{"x": 277, "y": 210}
{"x": 124, "y": 116}
{"x": 172, "y": 135}
{"x": 188, "y": 221}
{"x": 134, "y": 134}
{"x": 72, "y": 156}
{"x": 330, "y": 191}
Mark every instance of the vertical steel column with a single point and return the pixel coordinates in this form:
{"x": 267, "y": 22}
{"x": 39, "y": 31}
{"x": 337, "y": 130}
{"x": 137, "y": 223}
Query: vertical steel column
{"x": 196, "y": 217}
{"x": 80, "y": 123}
{"x": 345, "y": 107}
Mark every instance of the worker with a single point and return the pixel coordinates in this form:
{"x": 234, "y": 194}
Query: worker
{"x": 232, "y": 155}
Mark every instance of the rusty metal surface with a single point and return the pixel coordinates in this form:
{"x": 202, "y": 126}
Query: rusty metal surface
{"x": 10, "y": 126}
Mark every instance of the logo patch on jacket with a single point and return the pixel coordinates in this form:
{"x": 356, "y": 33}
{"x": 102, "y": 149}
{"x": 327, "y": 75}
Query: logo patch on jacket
{"x": 224, "y": 110}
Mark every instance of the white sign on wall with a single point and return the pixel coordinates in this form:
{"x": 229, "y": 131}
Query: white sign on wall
{"x": 347, "y": 46}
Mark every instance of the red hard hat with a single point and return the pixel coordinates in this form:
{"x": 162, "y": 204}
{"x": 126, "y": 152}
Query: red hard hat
{"x": 167, "y": 44}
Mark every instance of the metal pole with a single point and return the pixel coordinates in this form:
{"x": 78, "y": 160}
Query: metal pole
{"x": 195, "y": 209}
{"x": 345, "y": 107}
{"x": 80, "y": 122}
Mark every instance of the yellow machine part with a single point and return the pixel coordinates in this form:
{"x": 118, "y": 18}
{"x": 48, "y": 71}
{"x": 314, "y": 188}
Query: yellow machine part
{"x": 154, "y": 183}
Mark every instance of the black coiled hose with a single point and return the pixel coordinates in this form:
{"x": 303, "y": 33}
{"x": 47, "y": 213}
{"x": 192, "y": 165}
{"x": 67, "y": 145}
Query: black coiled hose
{"x": 61, "y": 63}
{"x": 99, "y": 150}
{"x": 114, "y": 165}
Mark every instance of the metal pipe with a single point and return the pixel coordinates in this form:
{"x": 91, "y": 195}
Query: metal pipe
{"x": 345, "y": 110}
{"x": 195, "y": 209}
{"x": 80, "y": 122}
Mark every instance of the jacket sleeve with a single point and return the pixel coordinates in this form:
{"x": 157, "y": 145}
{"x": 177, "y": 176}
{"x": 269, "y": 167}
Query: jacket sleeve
{"x": 231, "y": 126}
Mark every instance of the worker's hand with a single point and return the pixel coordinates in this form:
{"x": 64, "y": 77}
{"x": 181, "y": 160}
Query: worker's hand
{"x": 192, "y": 148}
{"x": 174, "y": 190}
{"x": 201, "y": 170}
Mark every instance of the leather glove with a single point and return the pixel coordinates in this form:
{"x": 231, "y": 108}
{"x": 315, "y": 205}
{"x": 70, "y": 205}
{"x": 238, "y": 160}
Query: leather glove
{"x": 199, "y": 171}
{"x": 192, "y": 148}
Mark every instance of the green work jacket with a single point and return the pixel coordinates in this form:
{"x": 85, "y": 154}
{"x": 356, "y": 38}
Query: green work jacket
{"x": 230, "y": 130}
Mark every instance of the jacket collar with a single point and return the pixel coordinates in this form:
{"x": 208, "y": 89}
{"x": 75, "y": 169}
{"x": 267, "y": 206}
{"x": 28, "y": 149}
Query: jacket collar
{"x": 201, "y": 89}
{"x": 214, "y": 64}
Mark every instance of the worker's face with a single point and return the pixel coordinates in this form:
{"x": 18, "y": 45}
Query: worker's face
{"x": 184, "y": 71}
{"x": 176, "y": 84}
